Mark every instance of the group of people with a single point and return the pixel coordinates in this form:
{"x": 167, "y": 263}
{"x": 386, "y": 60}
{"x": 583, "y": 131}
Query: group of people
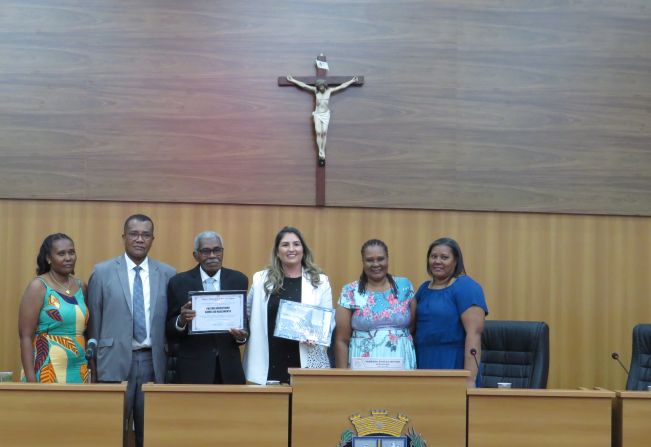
{"x": 134, "y": 306}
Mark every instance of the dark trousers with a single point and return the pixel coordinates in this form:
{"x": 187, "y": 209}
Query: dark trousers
{"x": 142, "y": 371}
{"x": 218, "y": 372}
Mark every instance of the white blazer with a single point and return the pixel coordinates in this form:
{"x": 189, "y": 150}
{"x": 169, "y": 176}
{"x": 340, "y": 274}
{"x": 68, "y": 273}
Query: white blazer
{"x": 256, "y": 354}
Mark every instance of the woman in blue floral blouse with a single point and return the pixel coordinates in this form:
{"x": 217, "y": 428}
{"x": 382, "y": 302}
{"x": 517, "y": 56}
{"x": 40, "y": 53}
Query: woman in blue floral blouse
{"x": 376, "y": 316}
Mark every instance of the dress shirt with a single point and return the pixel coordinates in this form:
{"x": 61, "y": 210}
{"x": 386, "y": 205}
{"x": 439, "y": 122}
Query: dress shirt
{"x": 144, "y": 276}
{"x": 217, "y": 277}
{"x": 204, "y": 276}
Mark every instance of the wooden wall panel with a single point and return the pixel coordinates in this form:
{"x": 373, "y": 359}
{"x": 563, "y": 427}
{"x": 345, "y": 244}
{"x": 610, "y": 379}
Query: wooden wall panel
{"x": 587, "y": 276}
{"x": 524, "y": 105}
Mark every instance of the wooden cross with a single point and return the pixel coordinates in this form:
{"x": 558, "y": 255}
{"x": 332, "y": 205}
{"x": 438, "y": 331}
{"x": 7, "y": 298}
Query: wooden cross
{"x": 332, "y": 81}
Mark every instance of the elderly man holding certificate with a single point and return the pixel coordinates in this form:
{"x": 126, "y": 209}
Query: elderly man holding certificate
{"x": 206, "y": 316}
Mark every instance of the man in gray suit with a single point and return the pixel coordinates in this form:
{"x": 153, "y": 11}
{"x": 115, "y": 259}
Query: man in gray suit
{"x": 128, "y": 305}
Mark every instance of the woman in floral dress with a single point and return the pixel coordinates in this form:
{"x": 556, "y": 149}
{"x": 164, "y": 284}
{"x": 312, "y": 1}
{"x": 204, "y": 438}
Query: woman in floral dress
{"x": 376, "y": 316}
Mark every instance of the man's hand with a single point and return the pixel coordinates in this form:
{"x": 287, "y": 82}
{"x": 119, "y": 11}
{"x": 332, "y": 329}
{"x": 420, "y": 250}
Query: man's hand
{"x": 187, "y": 314}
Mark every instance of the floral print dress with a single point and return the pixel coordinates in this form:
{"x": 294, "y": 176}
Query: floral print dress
{"x": 380, "y": 322}
{"x": 59, "y": 355}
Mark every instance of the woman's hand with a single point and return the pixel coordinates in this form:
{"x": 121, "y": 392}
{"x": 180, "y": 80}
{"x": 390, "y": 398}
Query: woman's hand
{"x": 240, "y": 335}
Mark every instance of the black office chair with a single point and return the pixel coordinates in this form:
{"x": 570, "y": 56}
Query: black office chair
{"x": 639, "y": 376}
{"x": 516, "y": 352}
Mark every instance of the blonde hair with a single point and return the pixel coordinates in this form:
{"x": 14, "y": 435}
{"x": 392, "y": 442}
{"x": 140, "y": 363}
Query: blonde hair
{"x": 275, "y": 273}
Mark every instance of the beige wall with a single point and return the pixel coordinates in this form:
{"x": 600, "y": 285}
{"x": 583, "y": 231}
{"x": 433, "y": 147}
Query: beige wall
{"x": 587, "y": 276}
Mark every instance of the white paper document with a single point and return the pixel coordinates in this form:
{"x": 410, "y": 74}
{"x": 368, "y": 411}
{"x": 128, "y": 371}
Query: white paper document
{"x": 217, "y": 311}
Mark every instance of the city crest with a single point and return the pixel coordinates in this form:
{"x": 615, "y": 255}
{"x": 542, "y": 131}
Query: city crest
{"x": 380, "y": 430}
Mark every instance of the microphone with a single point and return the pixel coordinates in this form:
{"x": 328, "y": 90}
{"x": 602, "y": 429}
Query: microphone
{"x": 473, "y": 353}
{"x": 615, "y": 356}
{"x": 90, "y": 348}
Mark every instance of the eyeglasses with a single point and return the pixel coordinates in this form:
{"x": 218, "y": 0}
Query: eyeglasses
{"x": 134, "y": 235}
{"x": 209, "y": 251}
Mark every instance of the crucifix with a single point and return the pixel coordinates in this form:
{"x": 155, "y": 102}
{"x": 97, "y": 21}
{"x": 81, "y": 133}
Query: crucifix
{"x": 322, "y": 86}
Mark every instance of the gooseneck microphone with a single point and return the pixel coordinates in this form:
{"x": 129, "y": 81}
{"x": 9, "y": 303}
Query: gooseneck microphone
{"x": 615, "y": 356}
{"x": 90, "y": 348}
{"x": 473, "y": 352}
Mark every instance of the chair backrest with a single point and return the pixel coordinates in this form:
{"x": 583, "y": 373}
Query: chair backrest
{"x": 639, "y": 376}
{"x": 515, "y": 352}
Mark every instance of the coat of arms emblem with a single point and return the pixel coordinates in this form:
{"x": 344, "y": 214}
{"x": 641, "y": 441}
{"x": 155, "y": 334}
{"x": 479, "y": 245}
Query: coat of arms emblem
{"x": 380, "y": 430}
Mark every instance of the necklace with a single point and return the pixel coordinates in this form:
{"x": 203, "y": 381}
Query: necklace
{"x": 66, "y": 288}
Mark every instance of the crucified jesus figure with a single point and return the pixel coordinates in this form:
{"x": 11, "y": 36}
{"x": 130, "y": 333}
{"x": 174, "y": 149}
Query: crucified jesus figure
{"x": 321, "y": 112}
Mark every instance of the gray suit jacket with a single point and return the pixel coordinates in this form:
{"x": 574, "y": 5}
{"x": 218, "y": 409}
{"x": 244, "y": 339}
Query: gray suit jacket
{"x": 110, "y": 317}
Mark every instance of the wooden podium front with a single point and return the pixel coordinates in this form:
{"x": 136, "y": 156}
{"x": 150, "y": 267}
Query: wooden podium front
{"x": 215, "y": 415}
{"x": 38, "y": 414}
{"x": 539, "y": 418}
{"x": 632, "y": 419}
{"x": 324, "y": 400}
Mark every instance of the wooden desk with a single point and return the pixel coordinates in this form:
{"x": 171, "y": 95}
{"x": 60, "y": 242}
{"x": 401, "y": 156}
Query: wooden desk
{"x": 324, "y": 399}
{"x": 39, "y": 414}
{"x": 211, "y": 415}
{"x": 539, "y": 418}
{"x": 633, "y": 419}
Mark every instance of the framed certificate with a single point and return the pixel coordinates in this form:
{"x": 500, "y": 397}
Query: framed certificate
{"x": 304, "y": 322}
{"x": 217, "y": 311}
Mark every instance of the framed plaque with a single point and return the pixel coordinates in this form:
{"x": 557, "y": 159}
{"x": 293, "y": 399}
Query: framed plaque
{"x": 393, "y": 363}
{"x": 217, "y": 311}
{"x": 304, "y": 322}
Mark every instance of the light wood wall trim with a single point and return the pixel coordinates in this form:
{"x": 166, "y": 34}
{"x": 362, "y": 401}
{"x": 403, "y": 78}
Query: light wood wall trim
{"x": 586, "y": 276}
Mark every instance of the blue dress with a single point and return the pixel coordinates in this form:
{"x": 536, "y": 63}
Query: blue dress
{"x": 380, "y": 322}
{"x": 440, "y": 336}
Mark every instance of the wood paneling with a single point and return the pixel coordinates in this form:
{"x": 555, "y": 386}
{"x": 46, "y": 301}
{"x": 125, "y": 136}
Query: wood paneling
{"x": 324, "y": 400}
{"x": 34, "y": 415}
{"x": 633, "y": 412}
{"x": 469, "y": 105}
{"x": 539, "y": 418}
{"x": 586, "y": 276}
{"x": 222, "y": 415}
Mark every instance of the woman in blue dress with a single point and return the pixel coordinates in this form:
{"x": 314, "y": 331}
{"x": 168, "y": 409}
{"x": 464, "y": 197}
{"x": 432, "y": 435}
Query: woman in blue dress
{"x": 450, "y": 313}
{"x": 375, "y": 316}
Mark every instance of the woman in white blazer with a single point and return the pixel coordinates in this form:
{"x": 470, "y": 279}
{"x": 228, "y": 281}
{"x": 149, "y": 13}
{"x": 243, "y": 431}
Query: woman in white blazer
{"x": 294, "y": 276}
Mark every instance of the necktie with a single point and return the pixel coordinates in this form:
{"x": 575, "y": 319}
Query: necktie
{"x": 139, "y": 323}
{"x": 210, "y": 285}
